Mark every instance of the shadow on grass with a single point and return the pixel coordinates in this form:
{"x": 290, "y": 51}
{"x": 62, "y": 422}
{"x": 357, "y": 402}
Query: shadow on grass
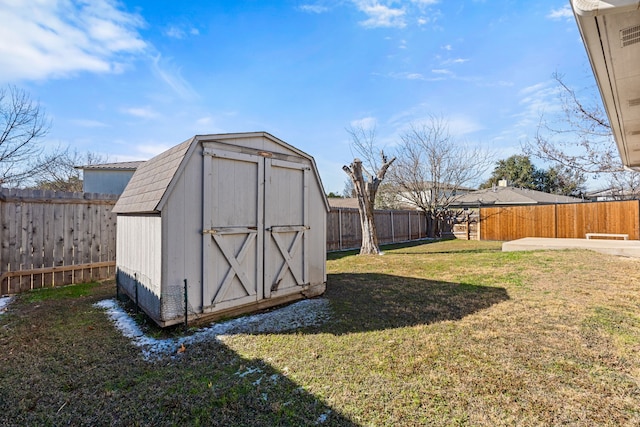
{"x": 427, "y": 244}
{"x": 83, "y": 371}
{"x": 349, "y": 252}
{"x": 450, "y": 251}
{"x": 369, "y": 302}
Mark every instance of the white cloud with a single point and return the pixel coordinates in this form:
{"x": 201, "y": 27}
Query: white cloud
{"x": 455, "y": 61}
{"x": 172, "y": 76}
{"x": 447, "y": 47}
{"x": 563, "y": 13}
{"x": 313, "y": 8}
{"x": 537, "y": 99}
{"x": 462, "y": 125}
{"x": 380, "y": 15}
{"x": 204, "y": 120}
{"x": 397, "y": 13}
{"x": 141, "y": 112}
{"x": 174, "y": 32}
{"x": 440, "y": 75}
{"x": 533, "y": 88}
{"x": 414, "y": 76}
{"x": 459, "y": 125}
{"x": 442, "y": 71}
{"x": 56, "y": 38}
{"x": 364, "y": 123}
{"x": 179, "y": 32}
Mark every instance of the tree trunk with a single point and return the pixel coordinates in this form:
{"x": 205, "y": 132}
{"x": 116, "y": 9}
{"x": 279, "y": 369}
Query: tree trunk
{"x": 369, "y": 233}
{"x": 366, "y": 194}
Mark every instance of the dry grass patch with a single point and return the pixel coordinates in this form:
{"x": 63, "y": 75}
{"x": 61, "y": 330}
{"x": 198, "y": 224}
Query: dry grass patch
{"x": 446, "y": 333}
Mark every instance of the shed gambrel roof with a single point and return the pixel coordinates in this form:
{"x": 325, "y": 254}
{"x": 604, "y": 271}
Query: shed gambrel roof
{"x": 152, "y": 180}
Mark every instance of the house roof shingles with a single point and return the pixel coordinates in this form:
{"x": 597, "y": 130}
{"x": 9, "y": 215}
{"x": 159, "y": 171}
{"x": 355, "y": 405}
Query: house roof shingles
{"x": 343, "y": 202}
{"x": 511, "y": 196}
{"x": 113, "y": 166}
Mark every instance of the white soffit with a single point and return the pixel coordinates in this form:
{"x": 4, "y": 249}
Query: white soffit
{"x": 611, "y": 34}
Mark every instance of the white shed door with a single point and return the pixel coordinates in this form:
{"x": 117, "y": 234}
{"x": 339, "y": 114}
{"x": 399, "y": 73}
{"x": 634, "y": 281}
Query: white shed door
{"x": 286, "y": 225}
{"x": 232, "y": 229}
{"x": 255, "y": 215}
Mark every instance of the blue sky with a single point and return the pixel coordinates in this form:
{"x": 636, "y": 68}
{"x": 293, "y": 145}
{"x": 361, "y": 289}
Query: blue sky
{"x": 132, "y": 78}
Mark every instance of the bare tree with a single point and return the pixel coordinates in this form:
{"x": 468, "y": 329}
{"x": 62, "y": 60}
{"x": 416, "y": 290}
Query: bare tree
{"x": 433, "y": 167}
{"x": 23, "y": 124}
{"x": 366, "y": 184}
{"x": 579, "y": 137}
{"x": 348, "y": 190}
{"x": 624, "y": 185}
{"x": 59, "y": 172}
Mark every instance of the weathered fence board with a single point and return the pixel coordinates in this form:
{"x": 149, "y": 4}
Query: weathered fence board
{"x": 344, "y": 231}
{"x": 560, "y": 221}
{"x": 62, "y": 238}
{"x": 51, "y": 238}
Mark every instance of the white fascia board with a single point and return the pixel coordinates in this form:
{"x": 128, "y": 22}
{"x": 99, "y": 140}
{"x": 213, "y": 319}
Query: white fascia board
{"x": 599, "y": 7}
{"x": 589, "y": 16}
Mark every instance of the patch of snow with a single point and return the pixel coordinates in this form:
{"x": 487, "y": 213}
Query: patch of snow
{"x": 323, "y": 417}
{"x": 311, "y": 312}
{"x": 248, "y": 371}
{"x": 4, "y": 302}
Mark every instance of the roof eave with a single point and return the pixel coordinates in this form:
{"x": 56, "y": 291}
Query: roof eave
{"x": 598, "y": 7}
{"x": 597, "y": 21}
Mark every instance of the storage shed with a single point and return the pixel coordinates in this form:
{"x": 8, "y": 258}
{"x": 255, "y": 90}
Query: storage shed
{"x": 222, "y": 225}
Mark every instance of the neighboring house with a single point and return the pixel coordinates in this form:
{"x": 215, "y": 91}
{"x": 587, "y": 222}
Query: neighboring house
{"x": 392, "y": 197}
{"x": 611, "y": 34}
{"x": 343, "y": 202}
{"x": 504, "y": 195}
{"x": 107, "y": 178}
{"x": 609, "y": 194}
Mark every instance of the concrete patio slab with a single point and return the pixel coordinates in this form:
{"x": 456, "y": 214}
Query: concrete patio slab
{"x": 627, "y": 248}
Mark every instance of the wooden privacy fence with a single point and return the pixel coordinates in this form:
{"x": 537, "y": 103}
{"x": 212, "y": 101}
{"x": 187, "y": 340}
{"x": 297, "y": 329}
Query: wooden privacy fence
{"x": 52, "y": 238}
{"x": 573, "y": 220}
{"x": 344, "y": 231}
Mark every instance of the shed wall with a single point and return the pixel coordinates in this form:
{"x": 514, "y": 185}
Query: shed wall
{"x": 317, "y": 235}
{"x": 178, "y": 233}
{"x": 105, "y": 181}
{"x": 182, "y": 245}
{"x": 139, "y": 259}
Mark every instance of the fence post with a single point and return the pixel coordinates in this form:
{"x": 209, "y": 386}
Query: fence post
{"x": 340, "y": 229}
{"x": 135, "y": 278}
{"x": 186, "y": 304}
{"x": 555, "y": 221}
{"x": 393, "y": 231}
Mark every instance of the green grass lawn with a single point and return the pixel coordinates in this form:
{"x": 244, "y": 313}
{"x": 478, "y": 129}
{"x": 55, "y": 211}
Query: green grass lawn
{"x": 444, "y": 333}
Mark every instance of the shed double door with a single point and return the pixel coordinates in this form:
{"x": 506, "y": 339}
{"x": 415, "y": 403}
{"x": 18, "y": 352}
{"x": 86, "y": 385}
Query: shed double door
{"x": 255, "y": 215}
